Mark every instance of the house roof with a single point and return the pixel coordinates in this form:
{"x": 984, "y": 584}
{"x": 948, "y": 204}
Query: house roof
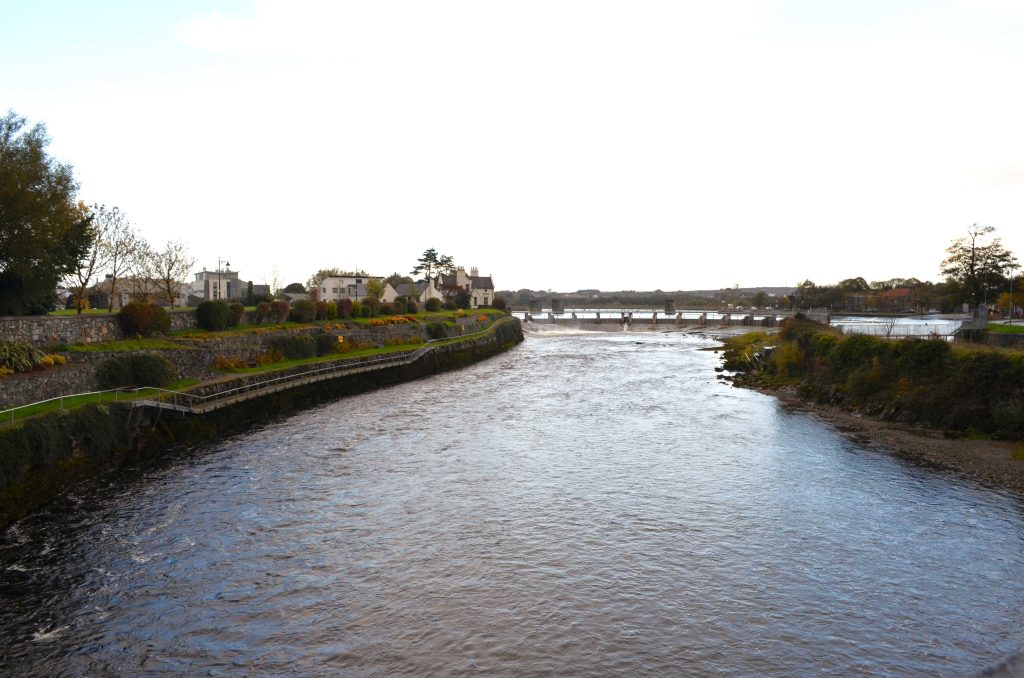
{"x": 478, "y": 282}
{"x": 410, "y": 289}
{"x": 481, "y": 282}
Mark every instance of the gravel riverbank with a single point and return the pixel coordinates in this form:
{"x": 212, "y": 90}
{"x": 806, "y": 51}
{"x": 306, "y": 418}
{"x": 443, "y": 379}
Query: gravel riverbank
{"x": 990, "y": 462}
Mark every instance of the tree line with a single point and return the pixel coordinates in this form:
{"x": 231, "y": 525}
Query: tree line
{"x": 48, "y": 237}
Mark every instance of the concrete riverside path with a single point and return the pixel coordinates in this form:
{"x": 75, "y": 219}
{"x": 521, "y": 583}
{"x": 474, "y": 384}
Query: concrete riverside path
{"x": 195, "y": 404}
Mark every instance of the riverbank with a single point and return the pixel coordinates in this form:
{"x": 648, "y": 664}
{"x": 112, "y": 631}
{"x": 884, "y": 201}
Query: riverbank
{"x": 47, "y": 454}
{"x": 990, "y": 462}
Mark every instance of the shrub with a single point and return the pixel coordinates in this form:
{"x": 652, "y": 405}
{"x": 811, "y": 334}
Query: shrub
{"x": 143, "y": 319}
{"x": 345, "y": 308}
{"x": 1009, "y": 416}
{"x": 294, "y": 346}
{"x": 19, "y": 356}
{"x": 400, "y": 305}
{"x": 269, "y": 356}
{"x": 366, "y": 310}
{"x": 235, "y": 312}
{"x": 357, "y": 309}
{"x": 332, "y": 310}
{"x": 410, "y": 306}
{"x": 303, "y": 311}
{"x": 263, "y": 311}
{"x": 230, "y": 362}
{"x": 788, "y": 359}
{"x": 280, "y": 310}
{"x": 437, "y": 330}
{"x": 462, "y": 299}
{"x": 327, "y": 343}
{"x": 212, "y": 316}
{"x": 388, "y": 309}
{"x": 321, "y": 310}
{"x": 922, "y": 357}
{"x": 449, "y": 306}
{"x": 76, "y": 302}
{"x": 866, "y": 381}
{"x": 433, "y": 305}
{"x": 137, "y": 369}
{"x": 499, "y": 303}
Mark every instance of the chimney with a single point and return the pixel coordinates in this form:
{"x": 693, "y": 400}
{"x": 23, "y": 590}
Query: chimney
{"x": 474, "y": 271}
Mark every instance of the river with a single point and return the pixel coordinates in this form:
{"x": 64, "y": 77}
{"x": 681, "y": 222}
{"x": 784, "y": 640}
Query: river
{"x": 585, "y": 504}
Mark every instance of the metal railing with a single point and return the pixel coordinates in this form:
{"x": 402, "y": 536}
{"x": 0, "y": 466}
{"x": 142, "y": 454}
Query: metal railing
{"x": 204, "y": 403}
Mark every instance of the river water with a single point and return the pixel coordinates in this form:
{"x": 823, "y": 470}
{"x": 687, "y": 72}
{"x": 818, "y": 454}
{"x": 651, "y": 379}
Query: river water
{"x": 586, "y": 504}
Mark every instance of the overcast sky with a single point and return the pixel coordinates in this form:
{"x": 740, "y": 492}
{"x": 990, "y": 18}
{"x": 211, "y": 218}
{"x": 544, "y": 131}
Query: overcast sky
{"x": 555, "y": 144}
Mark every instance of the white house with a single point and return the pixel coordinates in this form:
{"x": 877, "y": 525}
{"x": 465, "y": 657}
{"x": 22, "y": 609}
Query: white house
{"x": 354, "y": 287}
{"x": 480, "y": 288}
{"x": 420, "y": 291}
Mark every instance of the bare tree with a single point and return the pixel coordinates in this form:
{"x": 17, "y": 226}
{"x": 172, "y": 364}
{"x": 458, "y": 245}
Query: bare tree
{"x": 889, "y": 324}
{"x": 122, "y": 246}
{"x": 171, "y": 266}
{"x": 89, "y": 265}
{"x": 141, "y": 285}
{"x": 274, "y": 281}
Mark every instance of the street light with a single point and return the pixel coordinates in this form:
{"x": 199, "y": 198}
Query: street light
{"x": 1013, "y": 306}
{"x": 219, "y": 289}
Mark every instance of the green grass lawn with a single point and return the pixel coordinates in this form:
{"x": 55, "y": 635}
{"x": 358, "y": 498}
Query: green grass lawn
{"x": 70, "y": 402}
{"x": 123, "y": 346}
{"x": 71, "y": 311}
{"x": 360, "y": 353}
{"x": 1006, "y": 329}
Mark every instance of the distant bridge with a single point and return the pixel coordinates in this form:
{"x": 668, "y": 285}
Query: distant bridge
{"x": 645, "y": 318}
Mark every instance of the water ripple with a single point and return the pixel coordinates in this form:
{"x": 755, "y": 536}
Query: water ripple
{"x": 584, "y": 505}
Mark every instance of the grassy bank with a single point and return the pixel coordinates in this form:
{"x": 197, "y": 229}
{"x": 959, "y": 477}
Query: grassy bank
{"x": 960, "y": 388}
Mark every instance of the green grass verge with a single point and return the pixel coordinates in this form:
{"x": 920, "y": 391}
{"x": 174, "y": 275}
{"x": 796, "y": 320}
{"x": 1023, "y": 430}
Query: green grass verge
{"x": 1006, "y": 329}
{"x": 123, "y": 346}
{"x": 71, "y": 311}
{"x": 360, "y": 353}
{"x": 71, "y": 402}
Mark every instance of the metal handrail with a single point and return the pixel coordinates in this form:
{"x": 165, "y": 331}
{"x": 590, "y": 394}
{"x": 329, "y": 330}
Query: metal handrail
{"x": 397, "y": 358}
{"x": 61, "y": 398}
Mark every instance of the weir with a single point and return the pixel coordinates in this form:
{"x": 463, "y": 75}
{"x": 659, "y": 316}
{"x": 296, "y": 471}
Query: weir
{"x": 608, "y": 320}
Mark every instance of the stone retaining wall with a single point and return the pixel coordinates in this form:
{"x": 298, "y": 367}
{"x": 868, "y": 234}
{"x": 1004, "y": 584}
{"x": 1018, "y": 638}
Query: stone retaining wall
{"x": 194, "y": 361}
{"x": 48, "y": 330}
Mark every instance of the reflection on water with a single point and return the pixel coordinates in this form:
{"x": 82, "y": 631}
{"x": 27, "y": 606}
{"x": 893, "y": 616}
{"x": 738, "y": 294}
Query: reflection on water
{"x": 585, "y": 504}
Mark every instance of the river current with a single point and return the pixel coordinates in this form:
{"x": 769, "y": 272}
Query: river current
{"x": 585, "y": 504}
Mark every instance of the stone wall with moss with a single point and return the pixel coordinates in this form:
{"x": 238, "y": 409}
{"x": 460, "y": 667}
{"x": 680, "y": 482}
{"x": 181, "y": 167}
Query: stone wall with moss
{"x": 195, "y": 359}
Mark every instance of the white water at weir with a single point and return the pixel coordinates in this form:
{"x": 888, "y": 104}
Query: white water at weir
{"x": 586, "y": 504}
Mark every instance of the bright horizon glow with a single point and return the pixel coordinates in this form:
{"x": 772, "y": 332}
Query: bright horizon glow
{"x": 563, "y": 145}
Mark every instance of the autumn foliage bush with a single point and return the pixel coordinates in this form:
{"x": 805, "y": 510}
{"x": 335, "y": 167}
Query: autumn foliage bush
{"x": 143, "y": 319}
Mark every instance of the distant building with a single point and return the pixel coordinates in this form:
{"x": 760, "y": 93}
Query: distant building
{"x": 420, "y": 292}
{"x": 212, "y": 285}
{"x": 480, "y": 288}
{"x": 143, "y": 290}
{"x": 338, "y": 287}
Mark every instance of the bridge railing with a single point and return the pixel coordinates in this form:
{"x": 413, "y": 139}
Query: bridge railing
{"x": 194, "y": 401}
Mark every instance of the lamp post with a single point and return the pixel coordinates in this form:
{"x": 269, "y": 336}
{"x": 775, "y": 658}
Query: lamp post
{"x": 1013, "y": 306}
{"x": 220, "y": 292}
